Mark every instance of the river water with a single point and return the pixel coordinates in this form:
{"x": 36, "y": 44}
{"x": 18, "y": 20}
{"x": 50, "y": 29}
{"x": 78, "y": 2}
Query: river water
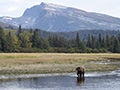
{"x": 92, "y": 81}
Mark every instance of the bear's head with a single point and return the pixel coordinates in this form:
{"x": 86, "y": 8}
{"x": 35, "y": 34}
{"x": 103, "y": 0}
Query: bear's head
{"x": 78, "y": 68}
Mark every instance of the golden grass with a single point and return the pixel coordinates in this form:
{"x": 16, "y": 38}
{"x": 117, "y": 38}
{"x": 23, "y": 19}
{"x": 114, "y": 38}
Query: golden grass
{"x": 23, "y": 63}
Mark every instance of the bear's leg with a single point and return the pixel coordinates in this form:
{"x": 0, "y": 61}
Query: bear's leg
{"x": 83, "y": 74}
{"x": 77, "y": 72}
{"x": 80, "y": 73}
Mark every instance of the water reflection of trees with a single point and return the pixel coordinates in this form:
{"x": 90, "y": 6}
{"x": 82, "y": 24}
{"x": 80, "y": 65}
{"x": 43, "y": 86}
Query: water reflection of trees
{"x": 80, "y": 81}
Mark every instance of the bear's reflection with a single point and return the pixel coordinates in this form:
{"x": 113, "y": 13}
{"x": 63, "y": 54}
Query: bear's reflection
{"x": 80, "y": 81}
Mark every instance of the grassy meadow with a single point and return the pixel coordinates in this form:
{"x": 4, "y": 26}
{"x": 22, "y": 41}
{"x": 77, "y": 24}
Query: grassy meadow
{"x": 39, "y": 63}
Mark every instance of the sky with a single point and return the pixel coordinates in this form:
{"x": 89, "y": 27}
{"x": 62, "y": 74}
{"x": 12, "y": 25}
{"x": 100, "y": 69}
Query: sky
{"x": 15, "y": 8}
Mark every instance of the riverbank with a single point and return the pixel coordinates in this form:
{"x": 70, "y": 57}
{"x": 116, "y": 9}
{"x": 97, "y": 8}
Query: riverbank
{"x": 42, "y": 63}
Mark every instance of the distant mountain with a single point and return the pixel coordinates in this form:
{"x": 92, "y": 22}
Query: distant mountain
{"x": 52, "y": 17}
{"x": 8, "y": 26}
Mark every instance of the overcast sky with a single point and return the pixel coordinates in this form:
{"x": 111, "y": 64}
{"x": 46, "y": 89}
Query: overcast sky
{"x": 15, "y": 8}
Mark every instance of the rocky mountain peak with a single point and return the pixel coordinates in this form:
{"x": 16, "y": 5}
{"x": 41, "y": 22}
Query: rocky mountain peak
{"x": 53, "y": 17}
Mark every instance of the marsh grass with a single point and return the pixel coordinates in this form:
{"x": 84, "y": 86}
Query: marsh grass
{"x": 31, "y": 63}
{"x": 18, "y": 55}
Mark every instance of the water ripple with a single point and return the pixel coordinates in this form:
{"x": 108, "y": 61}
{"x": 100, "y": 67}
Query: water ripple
{"x": 94, "y": 74}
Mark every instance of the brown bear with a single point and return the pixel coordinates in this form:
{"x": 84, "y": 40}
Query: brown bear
{"x": 80, "y": 71}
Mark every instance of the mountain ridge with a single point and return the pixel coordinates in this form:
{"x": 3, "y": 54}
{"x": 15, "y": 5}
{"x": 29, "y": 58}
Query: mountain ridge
{"x": 8, "y": 26}
{"x": 58, "y": 18}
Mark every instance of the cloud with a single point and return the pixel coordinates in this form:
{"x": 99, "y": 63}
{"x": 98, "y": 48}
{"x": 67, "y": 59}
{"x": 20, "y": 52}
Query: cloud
{"x": 12, "y": 8}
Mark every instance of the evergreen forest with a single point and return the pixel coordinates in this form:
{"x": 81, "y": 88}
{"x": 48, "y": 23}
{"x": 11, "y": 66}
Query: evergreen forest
{"x": 36, "y": 41}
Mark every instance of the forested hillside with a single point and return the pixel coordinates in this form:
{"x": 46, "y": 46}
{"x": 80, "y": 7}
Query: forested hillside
{"x": 85, "y": 41}
{"x": 83, "y": 34}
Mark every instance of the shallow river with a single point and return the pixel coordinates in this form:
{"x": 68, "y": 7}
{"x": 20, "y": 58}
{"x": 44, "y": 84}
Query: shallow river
{"x": 92, "y": 81}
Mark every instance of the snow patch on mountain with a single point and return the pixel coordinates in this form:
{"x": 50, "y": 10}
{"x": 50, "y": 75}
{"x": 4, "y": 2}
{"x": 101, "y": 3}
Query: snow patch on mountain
{"x": 54, "y": 6}
{"x": 50, "y": 27}
{"x": 26, "y": 21}
{"x": 69, "y": 22}
{"x": 7, "y": 18}
{"x": 34, "y": 19}
{"x": 87, "y": 19}
{"x": 70, "y": 13}
{"x": 29, "y": 18}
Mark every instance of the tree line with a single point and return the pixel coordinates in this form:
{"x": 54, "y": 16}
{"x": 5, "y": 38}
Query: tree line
{"x": 30, "y": 41}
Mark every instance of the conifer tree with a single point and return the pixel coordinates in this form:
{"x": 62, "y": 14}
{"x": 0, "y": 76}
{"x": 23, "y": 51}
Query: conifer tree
{"x": 83, "y": 48}
{"x": 100, "y": 39}
{"x": 61, "y": 41}
{"x": 89, "y": 41}
{"x": 9, "y": 45}
{"x": 116, "y": 46}
{"x": 112, "y": 39}
{"x": 35, "y": 39}
{"x": 46, "y": 44}
{"x": 56, "y": 41}
{"x": 19, "y": 31}
{"x": 53, "y": 39}
{"x": 111, "y": 46}
{"x": 12, "y": 43}
{"x": 107, "y": 40}
{"x": 78, "y": 40}
{"x": 93, "y": 42}
{"x": 27, "y": 37}
{"x": 97, "y": 44}
{"x": 23, "y": 44}
{"x": 41, "y": 43}
{"x": 50, "y": 41}
{"x": 119, "y": 37}
{"x": 73, "y": 42}
{"x": 2, "y": 39}
{"x": 69, "y": 43}
{"x": 103, "y": 45}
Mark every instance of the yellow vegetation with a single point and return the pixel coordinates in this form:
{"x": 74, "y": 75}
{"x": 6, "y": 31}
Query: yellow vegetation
{"x": 26, "y": 63}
